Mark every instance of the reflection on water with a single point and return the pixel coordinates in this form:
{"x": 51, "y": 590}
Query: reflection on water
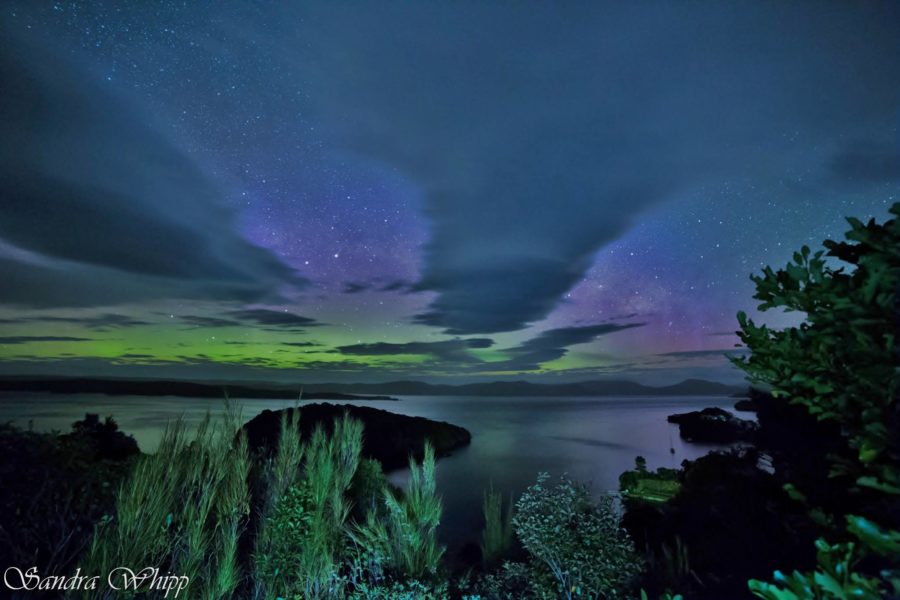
{"x": 591, "y": 439}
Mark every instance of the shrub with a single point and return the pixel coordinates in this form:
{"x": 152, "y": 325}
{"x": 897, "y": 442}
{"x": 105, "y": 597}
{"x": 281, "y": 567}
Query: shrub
{"x": 513, "y": 581}
{"x": 841, "y": 364}
{"x": 577, "y": 542}
{"x": 55, "y": 489}
{"x": 649, "y": 486}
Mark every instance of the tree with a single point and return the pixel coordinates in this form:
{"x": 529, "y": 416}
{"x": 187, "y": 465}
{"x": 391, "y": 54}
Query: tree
{"x": 842, "y": 365}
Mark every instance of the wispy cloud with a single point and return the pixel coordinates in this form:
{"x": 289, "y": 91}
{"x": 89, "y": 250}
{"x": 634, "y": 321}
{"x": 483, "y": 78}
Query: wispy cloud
{"x": 102, "y": 208}
{"x": 452, "y": 351}
{"x": 28, "y": 339}
{"x": 274, "y": 318}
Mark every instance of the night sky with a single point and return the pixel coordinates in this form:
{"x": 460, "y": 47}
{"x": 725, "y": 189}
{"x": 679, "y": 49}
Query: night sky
{"x": 435, "y": 191}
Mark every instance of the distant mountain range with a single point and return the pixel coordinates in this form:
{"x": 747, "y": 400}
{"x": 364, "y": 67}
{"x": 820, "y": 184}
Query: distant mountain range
{"x": 361, "y": 391}
{"x": 688, "y": 387}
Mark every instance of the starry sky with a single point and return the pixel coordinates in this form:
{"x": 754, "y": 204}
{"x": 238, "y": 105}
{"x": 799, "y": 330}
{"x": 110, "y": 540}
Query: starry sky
{"x": 437, "y": 191}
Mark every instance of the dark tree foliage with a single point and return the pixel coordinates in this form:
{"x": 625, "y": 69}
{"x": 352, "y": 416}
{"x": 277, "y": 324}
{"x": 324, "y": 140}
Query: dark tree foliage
{"x": 55, "y": 488}
{"x": 104, "y": 438}
{"x": 730, "y": 522}
{"x": 842, "y": 366}
{"x": 829, "y": 437}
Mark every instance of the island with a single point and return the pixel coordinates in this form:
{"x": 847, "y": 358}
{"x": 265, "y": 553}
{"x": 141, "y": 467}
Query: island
{"x": 713, "y": 425}
{"x": 388, "y": 437}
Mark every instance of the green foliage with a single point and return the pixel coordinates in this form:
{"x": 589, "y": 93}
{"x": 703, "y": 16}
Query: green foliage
{"x": 307, "y": 547}
{"x": 284, "y": 468}
{"x": 368, "y": 488}
{"x": 498, "y": 534}
{"x": 841, "y": 364}
{"x": 405, "y": 540}
{"x": 665, "y": 596}
{"x": 413, "y": 520}
{"x": 282, "y": 510}
{"x": 300, "y": 547}
{"x": 401, "y": 590}
{"x": 835, "y": 578}
{"x": 837, "y": 575}
{"x": 513, "y": 581}
{"x": 284, "y": 537}
{"x": 649, "y": 486}
{"x": 182, "y": 510}
{"x": 578, "y": 543}
{"x": 330, "y": 465}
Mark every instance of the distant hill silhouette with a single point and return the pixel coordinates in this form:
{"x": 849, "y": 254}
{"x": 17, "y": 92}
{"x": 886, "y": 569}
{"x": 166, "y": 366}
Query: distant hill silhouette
{"x": 688, "y": 387}
{"x": 124, "y": 387}
{"x": 360, "y": 391}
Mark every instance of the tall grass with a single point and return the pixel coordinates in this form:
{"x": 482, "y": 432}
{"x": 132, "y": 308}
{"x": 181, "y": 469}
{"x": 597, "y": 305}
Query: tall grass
{"x": 185, "y": 509}
{"x": 331, "y": 463}
{"x": 182, "y": 509}
{"x": 285, "y": 468}
{"x": 498, "y": 534}
{"x": 405, "y": 538}
{"x": 300, "y": 547}
{"x": 281, "y": 475}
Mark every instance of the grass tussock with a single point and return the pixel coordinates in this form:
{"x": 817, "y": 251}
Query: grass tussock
{"x": 183, "y": 509}
{"x": 499, "y": 533}
{"x": 300, "y": 546}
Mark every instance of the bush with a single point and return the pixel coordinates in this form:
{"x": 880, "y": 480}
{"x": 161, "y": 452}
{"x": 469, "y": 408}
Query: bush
{"x": 841, "y": 364}
{"x": 649, "y": 486}
{"x": 56, "y": 488}
{"x": 578, "y": 543}
{"x": 513, "y": 581}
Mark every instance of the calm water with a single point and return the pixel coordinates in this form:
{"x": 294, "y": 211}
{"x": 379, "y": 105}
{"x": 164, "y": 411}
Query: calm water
{"x": 591, "y": 439}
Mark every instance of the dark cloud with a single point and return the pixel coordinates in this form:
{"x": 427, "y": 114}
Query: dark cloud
{"x": 300, "y": 344}
{"x": 276, "y": 318}
{"x": 102, "y": 322}
{"x": 27, "y": 339}
{"x": 281, "y": 320}
{"x": 540, "y": 136}
{"x": 199, "y": 321}
{"x": 527, "y": 356}
{"x": 100, "y": 208}
{"x": 355, "y": 287}
{"x": 868, "y": 162}
{"x": 455, "y": 351}
{"x": 397, "y": 285}
{"x": 554, "y": 344}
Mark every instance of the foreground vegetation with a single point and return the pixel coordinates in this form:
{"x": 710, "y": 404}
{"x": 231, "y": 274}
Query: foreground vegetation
{"x": 809, "y": 511}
